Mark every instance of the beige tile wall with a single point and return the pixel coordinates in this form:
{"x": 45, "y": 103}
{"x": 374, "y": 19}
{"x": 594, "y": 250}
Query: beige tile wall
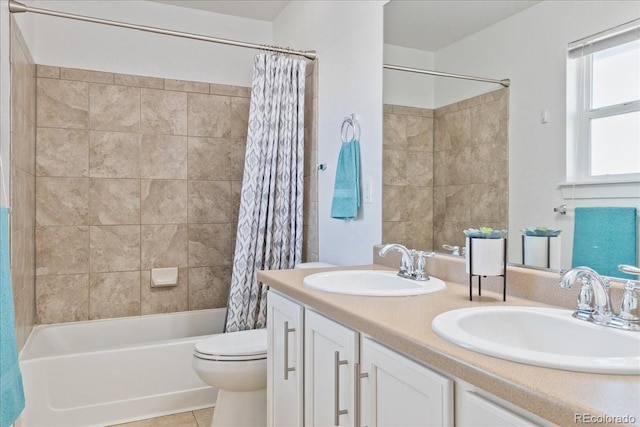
{"x": 471, "y": 173}
{"x": 407, "y": 209}
{"x": 135, "y": 173}
{"x": 23, "y": 147}
{"x": 445, "y": 170}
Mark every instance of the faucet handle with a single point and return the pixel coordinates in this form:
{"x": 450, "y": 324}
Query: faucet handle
{"x": 629, "y": 304}
{"x": 425, "y": 254}
{"x": 419, "y": 272}
{"x": 632, "y": 285}
{"x": 585, "y": 297}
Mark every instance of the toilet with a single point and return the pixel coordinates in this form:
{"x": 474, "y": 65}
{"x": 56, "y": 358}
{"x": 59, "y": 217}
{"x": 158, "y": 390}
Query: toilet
{"x": 236, "y": 364}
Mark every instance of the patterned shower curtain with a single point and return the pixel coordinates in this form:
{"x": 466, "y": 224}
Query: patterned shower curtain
{"x": 269, "y": 234}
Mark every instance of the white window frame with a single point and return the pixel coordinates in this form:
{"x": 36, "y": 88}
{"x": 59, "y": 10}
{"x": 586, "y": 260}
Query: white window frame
{"x": 580, "y": 114}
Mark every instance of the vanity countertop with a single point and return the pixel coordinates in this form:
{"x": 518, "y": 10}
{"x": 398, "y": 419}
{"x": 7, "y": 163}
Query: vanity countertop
{"x": 404, "y": 324}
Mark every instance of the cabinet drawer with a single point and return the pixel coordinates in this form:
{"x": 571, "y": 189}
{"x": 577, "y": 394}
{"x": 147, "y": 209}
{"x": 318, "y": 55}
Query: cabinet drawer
{"x": 474, "y": 410}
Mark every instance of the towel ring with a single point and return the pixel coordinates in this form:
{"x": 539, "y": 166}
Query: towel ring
{"x": 350, "y": 123}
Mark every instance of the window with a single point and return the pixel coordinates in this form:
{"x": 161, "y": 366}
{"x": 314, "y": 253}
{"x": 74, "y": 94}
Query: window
{"x": 603, "y": 106}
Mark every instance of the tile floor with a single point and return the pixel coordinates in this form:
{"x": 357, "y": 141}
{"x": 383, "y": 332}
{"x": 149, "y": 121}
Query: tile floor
{"x": 199, "y": 418}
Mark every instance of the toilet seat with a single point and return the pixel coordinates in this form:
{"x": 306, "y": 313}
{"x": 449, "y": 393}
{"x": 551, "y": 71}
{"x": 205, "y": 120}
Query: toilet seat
{"x": 234, "y": 346}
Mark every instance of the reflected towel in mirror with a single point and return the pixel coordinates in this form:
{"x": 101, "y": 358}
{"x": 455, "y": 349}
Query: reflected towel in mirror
{"x": 605, "y": 237}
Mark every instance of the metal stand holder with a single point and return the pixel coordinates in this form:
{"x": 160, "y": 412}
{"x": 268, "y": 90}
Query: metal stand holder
{"x": 548, "y": 251}
{"x": 503, "y": 275}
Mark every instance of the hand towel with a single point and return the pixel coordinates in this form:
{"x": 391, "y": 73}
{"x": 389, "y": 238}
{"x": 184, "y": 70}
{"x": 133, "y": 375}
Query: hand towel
{"x": 605, "y": 237}
{"x": 346, "y": 193}
{"x": 11, "y": 392}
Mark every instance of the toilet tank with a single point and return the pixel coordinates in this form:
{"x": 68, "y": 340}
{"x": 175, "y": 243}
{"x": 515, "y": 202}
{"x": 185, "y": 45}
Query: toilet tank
{"x": 314, "y": 265}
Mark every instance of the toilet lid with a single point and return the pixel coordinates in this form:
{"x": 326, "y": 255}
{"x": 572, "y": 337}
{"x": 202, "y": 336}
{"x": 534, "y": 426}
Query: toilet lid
{"x": 241, "y": 345}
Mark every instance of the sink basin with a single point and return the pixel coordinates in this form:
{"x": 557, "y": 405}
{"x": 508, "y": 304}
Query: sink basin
{"x": 371, "y": 283}
{"x": 545, "y": 337}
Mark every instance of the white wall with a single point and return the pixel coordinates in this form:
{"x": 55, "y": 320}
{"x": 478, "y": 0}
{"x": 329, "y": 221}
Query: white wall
{"x": 5, "y": 90}
{"x": 348, "y": 37}
{"x": 403, "y": 88}
{"x": 75, "y": 44}
{"x": 530, "y": 49}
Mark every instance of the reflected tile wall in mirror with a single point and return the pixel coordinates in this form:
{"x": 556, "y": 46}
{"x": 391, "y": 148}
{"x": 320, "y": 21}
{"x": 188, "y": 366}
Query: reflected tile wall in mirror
{"x": 408, "y": 176}
{"x": 471, "y": 180}
{"x": 445, "y": 170}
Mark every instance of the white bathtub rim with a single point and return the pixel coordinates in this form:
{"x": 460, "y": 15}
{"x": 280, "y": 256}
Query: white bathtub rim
{"x": 25, "y": 357}
{"x": 117, "y": 349}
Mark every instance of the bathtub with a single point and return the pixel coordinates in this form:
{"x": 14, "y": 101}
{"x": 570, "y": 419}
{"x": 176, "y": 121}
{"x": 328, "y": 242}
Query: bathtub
{"x": 111, "y": 371}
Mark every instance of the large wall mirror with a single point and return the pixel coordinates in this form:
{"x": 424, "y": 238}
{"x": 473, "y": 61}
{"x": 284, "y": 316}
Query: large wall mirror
{"x": 463, "y": 154}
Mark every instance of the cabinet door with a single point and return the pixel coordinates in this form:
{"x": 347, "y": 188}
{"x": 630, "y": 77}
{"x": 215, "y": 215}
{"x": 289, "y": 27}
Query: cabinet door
{"x": 399, "y": 392}
{"x": 284, "y": 362}
{"x": 472, "y": 409}
{"x": 330, "y": 353}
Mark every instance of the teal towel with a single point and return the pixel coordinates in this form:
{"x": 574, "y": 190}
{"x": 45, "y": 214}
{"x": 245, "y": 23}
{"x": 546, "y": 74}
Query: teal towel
{"x": 346, "y": 193}
{"x": 11, "y": 393}
{"x": 605, "y": 237}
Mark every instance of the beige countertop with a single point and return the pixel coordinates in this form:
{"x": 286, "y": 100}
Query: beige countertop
{"x": 404, "y": 324}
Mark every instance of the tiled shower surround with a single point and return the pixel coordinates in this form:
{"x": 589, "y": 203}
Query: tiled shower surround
{"x": 458, "y": 179}
{"x": 135, "y": 173}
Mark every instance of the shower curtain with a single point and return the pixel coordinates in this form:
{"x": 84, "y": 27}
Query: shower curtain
{"x": 269, "y": 234}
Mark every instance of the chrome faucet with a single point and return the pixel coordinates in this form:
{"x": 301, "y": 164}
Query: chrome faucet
{"x": 594, "y": 301}
{"x": 410, "y": 268}
{"x": 594, "y": 287}
{"x": 406, "y": 266}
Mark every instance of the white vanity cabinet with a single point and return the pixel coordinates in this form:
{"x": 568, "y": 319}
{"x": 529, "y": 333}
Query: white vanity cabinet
{"x": 400, "y": 392}
{"x": 396, "y": 391}
{"x": 285, "y": 372}
{"x": 322, "y": 373}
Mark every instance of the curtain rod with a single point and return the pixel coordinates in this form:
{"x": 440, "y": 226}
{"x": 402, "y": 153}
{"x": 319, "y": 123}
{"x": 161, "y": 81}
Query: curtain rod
{"x": 17, "y": 7}
{"x": 503, "y": 82}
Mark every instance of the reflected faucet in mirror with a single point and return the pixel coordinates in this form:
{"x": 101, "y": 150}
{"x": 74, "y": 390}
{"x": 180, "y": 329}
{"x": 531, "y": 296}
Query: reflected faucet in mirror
{"x": 455, "y": 250}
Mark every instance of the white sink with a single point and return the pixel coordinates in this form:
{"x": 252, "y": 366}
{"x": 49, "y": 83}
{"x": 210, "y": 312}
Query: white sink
{"x": 545, "y": 337}
{"x": 371, "y": 283}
